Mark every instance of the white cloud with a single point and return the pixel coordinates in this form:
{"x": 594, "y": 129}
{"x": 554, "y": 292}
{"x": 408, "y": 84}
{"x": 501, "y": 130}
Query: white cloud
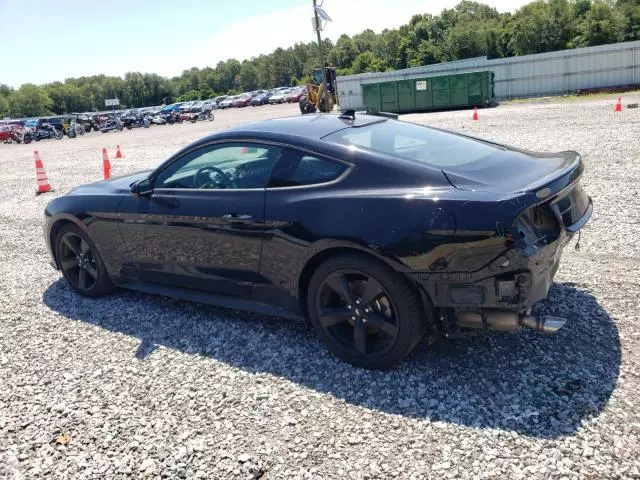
{"x": 263, "y": 34}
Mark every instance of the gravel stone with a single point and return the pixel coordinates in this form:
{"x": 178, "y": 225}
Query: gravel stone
{"x": 149, "y": 387}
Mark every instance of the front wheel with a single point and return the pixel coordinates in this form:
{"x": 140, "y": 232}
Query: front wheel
{"x": 210, "y": 117}
{"x": 366, "y": 314}
{"x": 58, "y": 135}
{"x": 81, "y": 264}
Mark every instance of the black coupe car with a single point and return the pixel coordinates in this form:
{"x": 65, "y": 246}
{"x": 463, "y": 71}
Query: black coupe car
{"x": 374, "y": 230}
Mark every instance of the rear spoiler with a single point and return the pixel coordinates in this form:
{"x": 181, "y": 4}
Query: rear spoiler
{"x": 350, "y": 114}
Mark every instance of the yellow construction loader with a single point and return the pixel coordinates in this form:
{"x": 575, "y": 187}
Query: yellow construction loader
{"x": 321, "y": 97}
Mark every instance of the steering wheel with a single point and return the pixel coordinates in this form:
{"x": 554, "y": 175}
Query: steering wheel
{"x": 203, "y": 178}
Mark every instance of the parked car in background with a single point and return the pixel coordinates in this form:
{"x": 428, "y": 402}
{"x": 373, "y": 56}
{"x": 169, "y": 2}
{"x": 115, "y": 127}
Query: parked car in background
{"x": 9, "y": 133}
{"x": 278, "y": 97}
{"x": 242, "y": 100}
{"x": 169, "y": 109}
{"x": 185, "y": 106}
{"x": 295, "y": 94}
{"x": 260, "y": 99}
{"x": 33, "y": 123}
{"x": 220, "y": 99}
{"x": 226, "y": 103}
{"x": 209, "y": 105}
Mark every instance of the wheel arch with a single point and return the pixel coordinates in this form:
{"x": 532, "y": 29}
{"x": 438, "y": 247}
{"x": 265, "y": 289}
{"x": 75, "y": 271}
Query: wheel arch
{"x": 320, "y": 257}
{"x": 56, "y": 225}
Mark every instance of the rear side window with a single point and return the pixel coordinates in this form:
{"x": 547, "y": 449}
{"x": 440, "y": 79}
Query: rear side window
{"x": 295, "y": 169}
{"x": 415, "y": 142}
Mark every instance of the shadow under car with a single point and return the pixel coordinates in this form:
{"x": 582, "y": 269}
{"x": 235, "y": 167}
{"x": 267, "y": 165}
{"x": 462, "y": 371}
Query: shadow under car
{"x": 536, "y": 385}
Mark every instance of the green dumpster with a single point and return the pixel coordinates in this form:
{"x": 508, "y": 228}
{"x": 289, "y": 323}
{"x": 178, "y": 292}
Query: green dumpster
{"x": 430, "y": 93}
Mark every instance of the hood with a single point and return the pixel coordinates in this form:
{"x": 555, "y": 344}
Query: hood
{"x": 117, "y": 185}
{"x": 512, "y": 171}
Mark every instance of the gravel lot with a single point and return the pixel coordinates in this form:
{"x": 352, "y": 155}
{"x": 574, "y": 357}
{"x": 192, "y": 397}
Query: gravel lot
{"x": 135, "y": 386}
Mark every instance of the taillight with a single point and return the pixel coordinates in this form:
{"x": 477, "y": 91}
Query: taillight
{"x": 535, "y": 227}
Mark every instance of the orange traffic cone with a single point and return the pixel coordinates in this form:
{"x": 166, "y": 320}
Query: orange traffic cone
{"x": 118, "y": 152}
{"x": 618, "y": 105}
{"x": 475, "y": 113}
{"x": 43, "y": 182}
{"x": 106, "y": 164}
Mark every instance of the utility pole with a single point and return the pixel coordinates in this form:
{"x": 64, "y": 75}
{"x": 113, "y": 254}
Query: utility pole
{"x": 324, "y": 72}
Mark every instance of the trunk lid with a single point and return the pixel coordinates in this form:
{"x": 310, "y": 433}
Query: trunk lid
{"x": 512, "y": 171}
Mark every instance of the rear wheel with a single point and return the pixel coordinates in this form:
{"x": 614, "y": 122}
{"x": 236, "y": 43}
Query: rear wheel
{"x": 81, "y": 264}
{"x": 366, "y": 314}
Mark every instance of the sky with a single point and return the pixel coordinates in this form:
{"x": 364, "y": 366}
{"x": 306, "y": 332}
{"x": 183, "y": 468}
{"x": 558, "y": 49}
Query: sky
{"x": 45, "y": 40}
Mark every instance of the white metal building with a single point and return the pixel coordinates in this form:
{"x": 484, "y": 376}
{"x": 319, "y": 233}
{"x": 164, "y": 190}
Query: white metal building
{"x": 564, "y": 71}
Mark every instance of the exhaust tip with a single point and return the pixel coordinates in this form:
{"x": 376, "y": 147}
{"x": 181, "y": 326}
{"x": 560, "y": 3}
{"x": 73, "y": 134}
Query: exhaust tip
{"x": 552, "y": 324}
{"x": 547, "y": 324}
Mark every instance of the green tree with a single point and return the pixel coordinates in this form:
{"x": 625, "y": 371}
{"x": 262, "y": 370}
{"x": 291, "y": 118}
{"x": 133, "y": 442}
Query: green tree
{"x": 368, "y": 62}
{"x": 67, "y": 98}
{"x": 248, "y": 76}
{"x": 189, "y": 96}
{"x": 5, "y": 93}
{"x": 30, "y": 101}
{"x": 602, "y": 24}
{"x": 541, "y": 27}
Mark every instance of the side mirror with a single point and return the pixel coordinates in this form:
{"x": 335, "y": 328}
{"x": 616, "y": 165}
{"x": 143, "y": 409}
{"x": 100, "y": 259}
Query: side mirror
{"x": 142, "y": 187}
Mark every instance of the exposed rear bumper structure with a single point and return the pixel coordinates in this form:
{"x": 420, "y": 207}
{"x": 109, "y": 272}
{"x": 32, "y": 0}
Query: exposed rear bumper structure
{"x": 493, "y": 283}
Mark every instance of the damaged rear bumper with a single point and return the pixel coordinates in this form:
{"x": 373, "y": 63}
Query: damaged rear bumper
{"x": 493, "y": 283}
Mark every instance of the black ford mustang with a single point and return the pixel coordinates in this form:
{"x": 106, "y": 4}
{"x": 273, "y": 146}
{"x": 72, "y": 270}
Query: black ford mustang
{"x": 375, "y": 230}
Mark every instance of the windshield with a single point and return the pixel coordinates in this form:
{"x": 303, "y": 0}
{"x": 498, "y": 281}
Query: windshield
{"x": 414, "y": 142}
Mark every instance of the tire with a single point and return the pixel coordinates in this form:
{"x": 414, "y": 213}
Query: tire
{"x": 307, "y": 107}
{"x": 71, "y": 134}
{"x": 210, "y": 117}
{"x": 385, "y": 330}
{"x": 72, "y": 243}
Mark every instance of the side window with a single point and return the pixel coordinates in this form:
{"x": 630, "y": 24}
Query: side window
{"x": 221, "y": 166}
{"x": 296, "y": 169}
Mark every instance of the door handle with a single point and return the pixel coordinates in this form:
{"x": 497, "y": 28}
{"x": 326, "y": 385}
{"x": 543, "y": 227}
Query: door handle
{"x": 236, "y": 217}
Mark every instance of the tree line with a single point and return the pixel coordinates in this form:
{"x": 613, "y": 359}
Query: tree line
{"x": 470, "y": 29}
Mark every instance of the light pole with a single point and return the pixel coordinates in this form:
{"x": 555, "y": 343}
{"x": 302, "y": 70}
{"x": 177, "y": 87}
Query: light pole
{"x": 324, "y": 72}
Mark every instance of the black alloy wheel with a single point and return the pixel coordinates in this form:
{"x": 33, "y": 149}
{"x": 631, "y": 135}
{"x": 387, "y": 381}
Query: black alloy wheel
{"x": 367, "y": 314}
{"x": 81, "y": 264}
{"x": 356, "y": 312}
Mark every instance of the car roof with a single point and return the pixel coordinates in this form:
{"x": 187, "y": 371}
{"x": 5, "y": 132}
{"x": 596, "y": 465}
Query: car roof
{"x": 311, "y": 126}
